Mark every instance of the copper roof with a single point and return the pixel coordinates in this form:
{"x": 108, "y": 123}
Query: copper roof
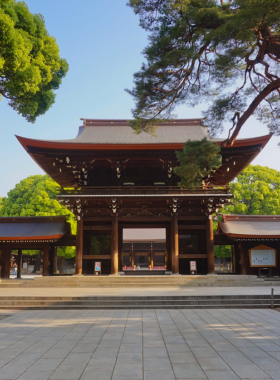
{"x": 120, "y": 132}
{"x": 33, "y": 228}
{"x": 250, "y": 226}
{"x": 112, "y": 140}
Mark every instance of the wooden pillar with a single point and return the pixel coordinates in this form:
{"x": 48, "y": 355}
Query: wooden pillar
{"x": 55, "y": 260}
{"x": 168, "y": 248}
{"x": 79, "y": 247}
{"x": 19, "y": 263}
{"x": 120, "y": 248}
{"x": 2, "y": 261}
{"x": 46, "y": 259}
{"x": 5, "y": 261}
{"x": 152, "y": 257}
{"x": 233, "y": 259}
{"x": 51, "y": 259}
{"x": 210, "y": 245}
{"x": 132, "y": 256}
{"x": 175, "y": 244}
{"x": 237, "y": 259}
{"x": 114, "y": 245}
{"x": 244, "y": 259}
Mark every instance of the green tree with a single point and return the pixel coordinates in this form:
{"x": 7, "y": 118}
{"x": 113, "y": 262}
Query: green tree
{"x": 256, "y": 192}
{"x": 30, "y": 64}
{"x": 99, "y": 244}
{"x": 223, "y": 52}
{"x": 197, "y": 160}
{"x": 1, "y": 203}
{"x": 36, "y": 196}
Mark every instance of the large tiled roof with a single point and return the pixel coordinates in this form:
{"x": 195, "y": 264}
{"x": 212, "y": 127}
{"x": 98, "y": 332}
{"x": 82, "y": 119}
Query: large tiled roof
{"x": 250, "y": 226}
{"x": 120, "y": 132}
{"x": 32, "y": 228}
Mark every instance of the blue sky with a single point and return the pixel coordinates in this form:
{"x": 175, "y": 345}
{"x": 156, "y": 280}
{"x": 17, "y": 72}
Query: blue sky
{"x": 102, "y": 42}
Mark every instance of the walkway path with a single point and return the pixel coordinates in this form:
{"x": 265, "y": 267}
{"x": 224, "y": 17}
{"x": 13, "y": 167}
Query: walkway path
{"x": 140, "y": 345}
{"x": 149, "y": 291}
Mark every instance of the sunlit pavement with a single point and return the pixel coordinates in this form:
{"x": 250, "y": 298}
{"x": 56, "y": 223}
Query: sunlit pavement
{"x": 139, "y": 291}
{"x": 140, "y": 344}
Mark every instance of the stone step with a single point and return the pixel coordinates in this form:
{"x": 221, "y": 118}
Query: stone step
{"x": 139, "y": 306}
{"x": 137, "y": 281}
{"x": 138, "y": 302}
{"x": 133, "y": 298}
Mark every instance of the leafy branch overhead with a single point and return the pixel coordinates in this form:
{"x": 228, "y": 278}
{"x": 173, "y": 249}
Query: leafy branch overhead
{"x": 197, "y": 160}
{"x": 30, "y": 64}
{"x": 226, "y": 53}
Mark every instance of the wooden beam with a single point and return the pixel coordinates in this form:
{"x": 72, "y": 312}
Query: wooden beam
{"x": 149, "y": 218}
{"x": 96, "y": 218}
{"x": 193, "y": 256}
{"x": 114, "y": 246}
{"x": 203, "y": 217}
{"x": 97, "y": 228}
{"x": 193, "y": 227}
{"x": 141, "y": 225}
{"x": 79, "y": 247}
{"x": 210, "y": 245}
{"x": 96, "y": 257}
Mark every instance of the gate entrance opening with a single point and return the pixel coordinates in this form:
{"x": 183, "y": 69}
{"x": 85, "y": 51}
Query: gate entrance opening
{"x": 144, "y": 250}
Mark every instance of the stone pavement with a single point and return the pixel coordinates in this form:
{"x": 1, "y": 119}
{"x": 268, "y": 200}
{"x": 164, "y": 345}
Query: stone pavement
{"x": 135, "y": 291}
{"x": 226, "y": 344}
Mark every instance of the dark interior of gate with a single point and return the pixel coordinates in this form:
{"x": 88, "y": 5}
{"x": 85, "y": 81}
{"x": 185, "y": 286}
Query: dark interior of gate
{"x": 145, "y": 249}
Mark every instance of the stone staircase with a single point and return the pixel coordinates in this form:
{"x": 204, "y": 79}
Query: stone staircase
{"x": 138, "y": 302}
{"x": 139, "y": 281}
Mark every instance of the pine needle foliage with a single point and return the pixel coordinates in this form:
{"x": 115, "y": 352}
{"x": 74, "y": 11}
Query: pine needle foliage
{"x": 222, "y": 52}
{"x": 197, "y": 160}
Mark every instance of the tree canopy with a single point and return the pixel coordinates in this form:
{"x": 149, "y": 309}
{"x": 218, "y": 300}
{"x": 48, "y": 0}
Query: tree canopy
{"x": 197, "y": 160}
{"x": 30, "y": 64}
{"x": 36, "y": 196}
{"x": 256, "y": 192}
{"x": 226, "y": 53}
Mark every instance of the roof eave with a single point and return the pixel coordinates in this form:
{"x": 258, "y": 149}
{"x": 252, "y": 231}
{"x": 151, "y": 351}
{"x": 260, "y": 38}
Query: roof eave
{"x": 26, "y": 142}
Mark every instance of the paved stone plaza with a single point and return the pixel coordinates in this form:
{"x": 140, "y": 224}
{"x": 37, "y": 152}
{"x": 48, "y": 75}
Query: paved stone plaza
{"x": 139, "y": 291}
{"x": 140, "y": 344}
